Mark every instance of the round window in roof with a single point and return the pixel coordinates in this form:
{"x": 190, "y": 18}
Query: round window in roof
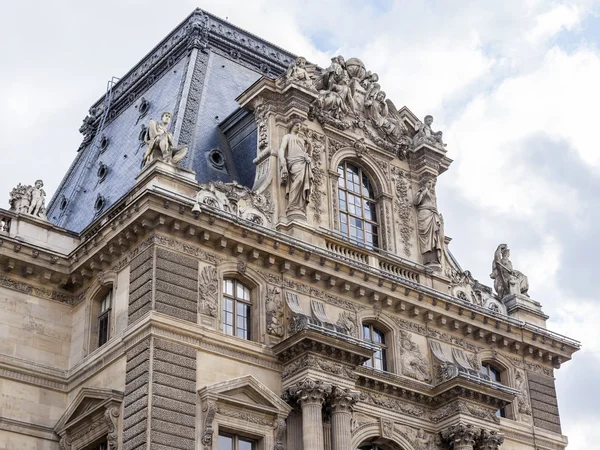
{"x": 99, "y": 203}
{"x": 102, "y": 172}
{"x": 104, "y": 141}
{"x": 63, "y": 203}
{"x": 144, "y": 107}
{"x": 216, "y": 159}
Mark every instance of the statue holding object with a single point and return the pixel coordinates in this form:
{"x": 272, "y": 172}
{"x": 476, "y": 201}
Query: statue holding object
{"x": 160, "y": 142}
{"x": 507, "y": 280}
{"x": 425, "y": 135}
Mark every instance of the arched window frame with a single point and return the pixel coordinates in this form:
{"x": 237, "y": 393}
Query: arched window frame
{"x": 382, "y": 193}
{"x": 499, "y": 373}
{"x": 101, "y": 316}
{"x": 389, "y": 337}
{"x": 236, "y": 309}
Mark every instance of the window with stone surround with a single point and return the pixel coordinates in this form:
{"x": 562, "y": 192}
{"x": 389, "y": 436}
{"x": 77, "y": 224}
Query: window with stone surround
{"x": 376, "y": 336}
{"x": 234, "y": 442}
{"x": 499, "y": 375}
{"x": 101, "y": 318}
{"x": 237, "y": 309}
{"x": 357, "y": 206}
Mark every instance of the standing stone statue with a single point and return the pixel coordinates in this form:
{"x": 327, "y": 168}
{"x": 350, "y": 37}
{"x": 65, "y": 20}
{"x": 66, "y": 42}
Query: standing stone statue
{"x": 29, "y": 199}
{"x": 295, "y": 170}
{"x": 425, "y": 135}
{"x": 507, "y": 280}
{"x": 160, "y": 142}
{"x": 430, "y": 224}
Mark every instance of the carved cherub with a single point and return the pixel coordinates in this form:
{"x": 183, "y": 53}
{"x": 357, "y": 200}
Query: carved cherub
{"x": 426, "y": 135}
{"x": 37, "y": 199}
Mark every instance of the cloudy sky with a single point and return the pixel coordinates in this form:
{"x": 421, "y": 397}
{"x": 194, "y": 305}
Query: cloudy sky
{"x": 514, "y": 85}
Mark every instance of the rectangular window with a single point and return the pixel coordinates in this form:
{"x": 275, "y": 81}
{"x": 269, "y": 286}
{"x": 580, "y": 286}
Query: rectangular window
{"x": 104, "y": 319}
{"x": 235, "y": 442}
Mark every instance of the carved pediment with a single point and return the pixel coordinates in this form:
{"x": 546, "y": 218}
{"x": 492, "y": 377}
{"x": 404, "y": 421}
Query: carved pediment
{"x": 86, "y": 403}
{"x": 247, "y": 393}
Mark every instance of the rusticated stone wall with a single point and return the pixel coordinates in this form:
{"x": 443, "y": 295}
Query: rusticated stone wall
{"x": 543, "y": 402}
{"x": 140, "y": 284}
{"x": 176, "y": 285}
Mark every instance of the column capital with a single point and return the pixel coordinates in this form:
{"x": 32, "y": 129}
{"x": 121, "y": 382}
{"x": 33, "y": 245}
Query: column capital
{"x": 489, "y": 440}
{"x": 343, "y": 399}
{"x": 308, "y": 391}
{"x": 461, "y": 436}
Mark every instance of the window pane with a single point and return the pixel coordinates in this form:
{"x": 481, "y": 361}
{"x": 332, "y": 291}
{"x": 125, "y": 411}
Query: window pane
{"x": 228, "y": 305}
{"x": 245, "y": 444}
{"x": 225, "y": 442}
{"x": 103, "y": 329}
{"x": 342, "y": 197}
{"x": 366, "y": 333}
{"x": 228, "y": 287}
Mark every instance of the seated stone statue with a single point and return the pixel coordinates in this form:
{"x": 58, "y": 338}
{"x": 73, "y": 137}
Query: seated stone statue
{"x": 297, "y": 72}
{"x": 507, "y": 280}
{"x": 425, "y": 135}
{"x": 160, "y": 142}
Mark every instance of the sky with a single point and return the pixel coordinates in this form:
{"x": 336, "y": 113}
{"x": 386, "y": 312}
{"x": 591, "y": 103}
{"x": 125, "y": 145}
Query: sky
{"x": 513, "y": 84}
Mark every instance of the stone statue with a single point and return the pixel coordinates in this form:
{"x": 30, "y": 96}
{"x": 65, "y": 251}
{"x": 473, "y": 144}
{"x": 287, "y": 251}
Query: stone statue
{"x": 333, "y": 74}
{"x": 414, "y": 365}
{"x": 29, "y": 199}
{"x": 160, "y": 142}
{"x": 423, "y": 440}
{"x": 507, "y": 280}
{"x": 522, "y": 399}
{"x": 430, "y": 224}
{"x": 297, "y": 72}
{"x": 295, "y": 170}
{"x": 425, "y": 135}
{"x": 377, "y": 109}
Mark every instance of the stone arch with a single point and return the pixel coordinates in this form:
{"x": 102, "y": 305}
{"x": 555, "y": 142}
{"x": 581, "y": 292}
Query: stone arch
{"x": 391, "y": 334}
{"x": 507, "y": 369}
{"x": 372, "y": 432}
{"x": 251, "y": 278}
{"x": 375, "y": 173}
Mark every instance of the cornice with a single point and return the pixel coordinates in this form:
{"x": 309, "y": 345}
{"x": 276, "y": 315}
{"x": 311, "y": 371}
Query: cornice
{"x": 28, "y": 429}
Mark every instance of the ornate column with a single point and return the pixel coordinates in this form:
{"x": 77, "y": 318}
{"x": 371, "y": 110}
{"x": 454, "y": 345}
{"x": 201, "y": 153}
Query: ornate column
{"x": 342, "y": 402}
{"x": 489, "y": 440}
{"x": 311, "y": 394}
{"x": 461, "y": 436}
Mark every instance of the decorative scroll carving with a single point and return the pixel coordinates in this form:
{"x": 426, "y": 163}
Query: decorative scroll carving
{"x": 236, "y": 199}
{"x": 347, "y": 321}
{"x": 507, "y": 280}
{"x": 280, "y": 427}
{"x": 317, "y": 193}
{"x": 523, "y": 404}
{"x": 245, "y": 416}
{"x": 403, "y": 208}
{"x": 274, "y": 307}
{"x": 27, "y": 199}
{"x": 308, "y": 391}
{"x": 490, "y": 440}
{"x": 65, "y": 443}
{"x": 420, "y": 439}
{"x": 414, "y": 365}
{"x": 463, "y": 408}
{"x": 209, "y": 409}
{"x": 209, "y": 291}
{"x": 392, "y": 404}
{"x": 343, "y": 399}
{"x": 387, "y": 428}
{"x": 111, "y": 416}
{"x": 261, "y": 113}
{"x": 431, "y": 332}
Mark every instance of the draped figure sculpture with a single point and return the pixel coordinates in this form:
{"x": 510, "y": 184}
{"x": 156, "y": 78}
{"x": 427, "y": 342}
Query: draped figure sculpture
{"x": 506, "y": 279}
{"x": 295, "y": 170}
{"x": 160, "y": 142}
{"x": 430, "y": 224}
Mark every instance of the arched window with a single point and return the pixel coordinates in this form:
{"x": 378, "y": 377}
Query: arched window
{"x": 376, "y": 337}
{"x": 236, "y": 309}
{"x": 499, "y": 376}
{"x": 358, "y": 217}
{"x": 101, "y": 320}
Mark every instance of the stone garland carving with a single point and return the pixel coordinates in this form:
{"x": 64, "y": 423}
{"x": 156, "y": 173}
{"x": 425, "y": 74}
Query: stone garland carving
{"x": 261, "y": 113}
{"x": 36, "y": 291}
{"x": 274, "y": 307}
{"x": 387, "y": 428}
{"x": 270, "y": 277}
{"x": 317, "y": 193}
{"x": 403, "y": 208}
{"x": 209, "y": 409}
{"x": 236, "y": 199}
{"x": 245, "y": 416}
{"x": 507, "y": 281}
{"x": 160, "y": 142}
{"x": 334, "y": 147}
{"x": 280, "y": 428}
{"x": 391, "y": 404}
{"x": 347, "y": 321}
{"x": 295, "y": 170}
{"x": 334, "y": 204}
{"x": 26, "y": 199}
{"x": 523, "y": 404}
{"x": 192, "y": 105}
{"x": 209, "y": 291}
{"x": 312, "y": 362}
{"x": 322, "y": 295}
{"x": 111, "y": 416}
{"x": 465, "y": 287}
{"x": 408, "y": 325}
{"x": 413, "y": 364}
{"x": 183, "y": 247}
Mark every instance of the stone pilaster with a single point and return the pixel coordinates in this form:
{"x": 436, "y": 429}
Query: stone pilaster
{"x": 294, "y": 430}
{"x": 461, "y": 436}
{"x": 489, "y": 440}
{"x": 342, "y": 402}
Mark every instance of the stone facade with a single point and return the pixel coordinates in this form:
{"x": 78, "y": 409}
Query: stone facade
{"x": 288, "y": 283}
